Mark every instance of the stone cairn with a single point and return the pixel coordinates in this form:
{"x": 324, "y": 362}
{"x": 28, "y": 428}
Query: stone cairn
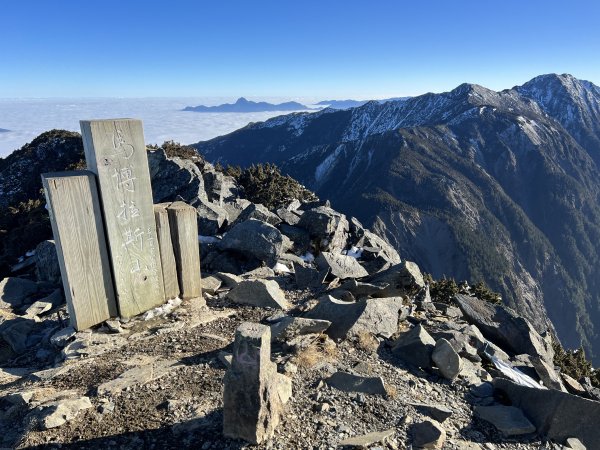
{"x": 112, "y": 259}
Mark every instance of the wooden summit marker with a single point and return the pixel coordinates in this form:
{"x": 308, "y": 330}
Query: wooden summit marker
{"x": 116, "y": 153}
{"x": 72, "y": 200}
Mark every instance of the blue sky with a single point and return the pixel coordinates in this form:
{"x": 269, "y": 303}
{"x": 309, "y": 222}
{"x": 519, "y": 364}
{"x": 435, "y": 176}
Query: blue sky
{"x": 305, "y": 48}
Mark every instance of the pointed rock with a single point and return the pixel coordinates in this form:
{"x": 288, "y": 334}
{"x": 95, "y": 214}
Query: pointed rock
{"x": 446, "y": 359}
{"x": 415, "y": 347}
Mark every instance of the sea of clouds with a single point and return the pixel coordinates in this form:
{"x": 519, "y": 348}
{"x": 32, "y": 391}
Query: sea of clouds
{"x": 162, "y": 117}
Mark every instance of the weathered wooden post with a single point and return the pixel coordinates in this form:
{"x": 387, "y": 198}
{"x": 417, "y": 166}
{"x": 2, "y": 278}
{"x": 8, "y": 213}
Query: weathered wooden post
{"x": 167, "y": 256}
{"x": 116, "y": 153}
{"x": 72, "y": 199}
{"x": 184, "y": 235}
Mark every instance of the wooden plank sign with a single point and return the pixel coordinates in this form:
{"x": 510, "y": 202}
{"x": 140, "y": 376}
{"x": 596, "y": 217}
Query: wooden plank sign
{"x": 183, "y": 221}
{"x": 167, "y": 257}
{"x": 116, "y": 153}
{"x": 72, "y": 199}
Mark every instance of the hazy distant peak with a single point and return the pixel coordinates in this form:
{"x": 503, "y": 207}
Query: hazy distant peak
{"x": 243, "y": 105}
{"x": 3, "y": 130}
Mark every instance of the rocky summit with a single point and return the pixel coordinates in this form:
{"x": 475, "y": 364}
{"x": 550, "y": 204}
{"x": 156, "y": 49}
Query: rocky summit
{"x": 501, "y": 187}
{"x": 312, "y": 334}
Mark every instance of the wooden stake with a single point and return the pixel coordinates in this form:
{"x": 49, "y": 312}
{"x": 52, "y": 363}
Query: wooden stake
{"x": 167, "y": 256}
{"x": 72, "y": 199}
{"x": 184, "y": 235}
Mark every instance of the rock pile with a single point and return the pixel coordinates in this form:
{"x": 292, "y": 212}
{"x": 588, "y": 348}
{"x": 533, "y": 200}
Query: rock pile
{"x": 298, "y": 297}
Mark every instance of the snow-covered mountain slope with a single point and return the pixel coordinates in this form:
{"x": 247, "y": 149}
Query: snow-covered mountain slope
{"x": 471, "y": 183}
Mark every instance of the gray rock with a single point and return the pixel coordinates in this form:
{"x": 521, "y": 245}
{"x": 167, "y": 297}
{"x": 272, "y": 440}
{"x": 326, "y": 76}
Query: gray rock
{"x": 259, "y": 272}
{"x": 504, "y": 328}
{"x": 261, "y": 293}
{"x": 219, "y": 188}
{"x": 16, "y": 333}
{"x": 46, "y": 262}
{"x": 572, "y": 385}
{"x": 323, "y": 223}
{"x": 231, "y": 280}
{"x": 289, "y": 217}
{"x": 210, "y": 284}
{"x": 309, "y": 277}
{"x": 547, "y": 374}
{"x": 376, "y": 316}
{"x": 446, "y": 359}
{"x": 137, "y": 376}
{"x": 378, "y": 247}
{"x": 62, "y": 337}
{"x": 510, "y": 421}
{"x": 366, "y": 440}
{"x": 299, "y": 236}
{"x": 255, "y": 238}
{"x": 349, "y": 382}
{"x": 360, "y": 290}
{"x": 380, "y": 316}
{"x": 56, "y": 413}
{"x": 258, "y": 212}
{"x": 403, "y": 278}
{"x": 556, "y": 415}
{"x": 437, "y": 412}
{"x": 340, "y": 266}
{"x": 254, "y": 394}
{"x": 415, "y": 347}
{"x": 211, "y": 216}
{"x": 14, "y": 291}
{"x": 428, "y": 435}
{"x": 482, "y": 390}
{"x": 288, "y": 328}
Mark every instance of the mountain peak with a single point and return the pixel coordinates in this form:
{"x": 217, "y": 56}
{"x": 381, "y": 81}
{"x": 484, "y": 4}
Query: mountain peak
{"x": 241, "y": 100}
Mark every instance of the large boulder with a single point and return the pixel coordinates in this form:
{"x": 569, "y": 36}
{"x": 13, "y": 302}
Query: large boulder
{"x": 446, "y": 359}
{"x": 329, "y": 227}
{"x": 505, "y": 328}
{"x": 255, "y": 238}
{"x": 175, "y": 178}
{"x": 510, "y": 421}
{"x": 556, "y": 415}
{"x": 376, "y": 316}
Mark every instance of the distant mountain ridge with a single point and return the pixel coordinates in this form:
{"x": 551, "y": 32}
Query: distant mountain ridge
{"x": 471, "y": 183}
{"x": 347, "y": 104}
{"x": 242, "y": 105}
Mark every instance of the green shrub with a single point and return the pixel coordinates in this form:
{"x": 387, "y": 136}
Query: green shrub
{"x": 574, "y": 363}
{"x": 264, "y": 183}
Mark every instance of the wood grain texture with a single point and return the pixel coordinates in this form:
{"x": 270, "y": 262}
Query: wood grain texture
{"x": 167, "y": 256}
{"x": 184, "y": 235}
{"x": 73, "y": 204}
{"x": 115, "y": 152}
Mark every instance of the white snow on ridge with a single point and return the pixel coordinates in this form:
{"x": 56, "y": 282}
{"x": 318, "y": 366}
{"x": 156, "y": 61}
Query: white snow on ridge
{"x": 328, "y": 163}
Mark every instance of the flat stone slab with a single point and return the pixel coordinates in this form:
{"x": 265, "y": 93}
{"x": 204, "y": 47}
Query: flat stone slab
{"x": 368, "y": 439}
{"x": 341, "y": 266}
{"x": 437, "y": 412}
{"x": 137, "y": 376}
{"x": 261, "y": 293}
{"x": 510, "y": 421}
{"x": 348, "y": 382}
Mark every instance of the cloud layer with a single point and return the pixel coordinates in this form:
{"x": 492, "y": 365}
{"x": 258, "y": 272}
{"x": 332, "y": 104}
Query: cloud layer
{"x": 162, "y": 117}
